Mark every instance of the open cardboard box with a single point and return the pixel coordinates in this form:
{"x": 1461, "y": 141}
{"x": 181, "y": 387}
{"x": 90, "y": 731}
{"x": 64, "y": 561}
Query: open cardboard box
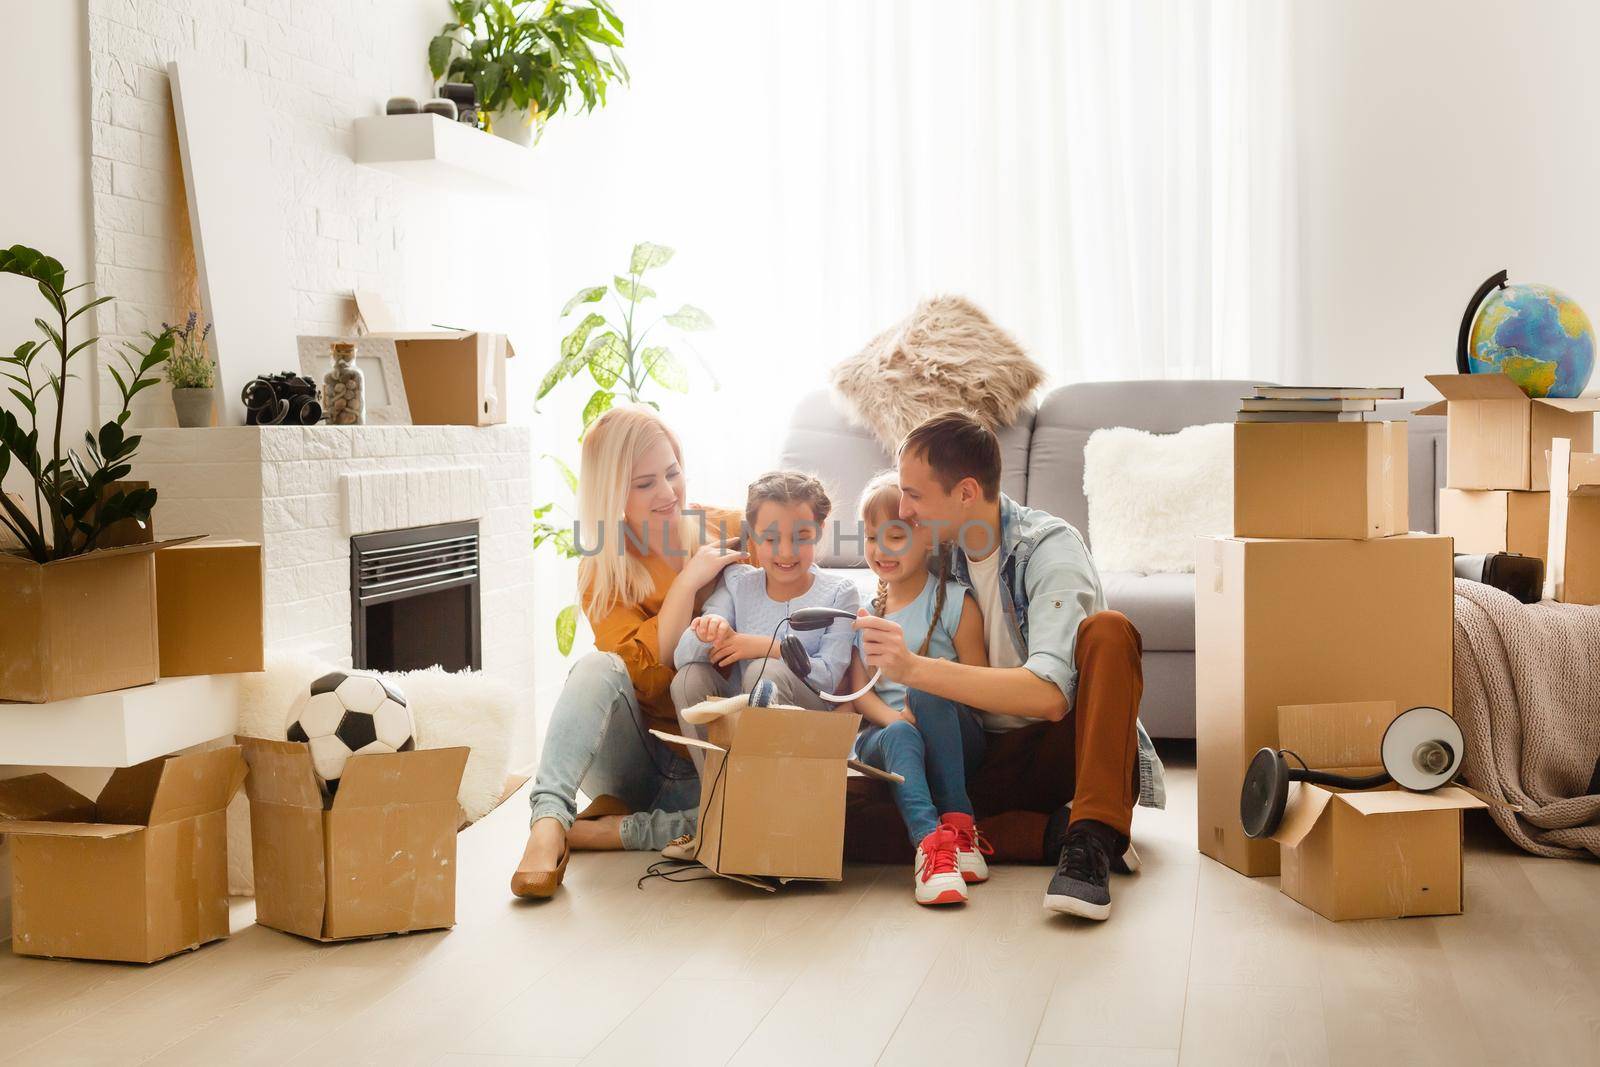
{"x": 79, "y": 626}
{"x": 1572, "y": 568}
{"x": 452, "y": 377}
{"x": 772, "y": 790}
{"x": 135, "y": 876}
{"x": 1498, "y": 435}
{"x": 209, "y": 608}
{"x": 1368, "y": 854}
{"x": 1496, "y": 520}
{"x": 380, "y": 860}
{"x": 1337, "y": 479}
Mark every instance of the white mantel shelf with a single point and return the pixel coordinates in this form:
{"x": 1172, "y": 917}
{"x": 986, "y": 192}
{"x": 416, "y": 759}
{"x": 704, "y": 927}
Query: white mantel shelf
{"x": 122, "y": 728}
{"x": 442, "y": 154}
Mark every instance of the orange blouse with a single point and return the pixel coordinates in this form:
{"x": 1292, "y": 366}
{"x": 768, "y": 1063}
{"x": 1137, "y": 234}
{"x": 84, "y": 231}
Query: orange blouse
{"x": 632, "y": 630}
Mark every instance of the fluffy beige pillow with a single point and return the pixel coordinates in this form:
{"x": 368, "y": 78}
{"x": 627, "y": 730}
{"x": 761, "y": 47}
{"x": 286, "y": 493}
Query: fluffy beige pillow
{"x": 946, "y": 356}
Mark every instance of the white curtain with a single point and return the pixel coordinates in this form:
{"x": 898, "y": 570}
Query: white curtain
{"x": 1111, "y": 181}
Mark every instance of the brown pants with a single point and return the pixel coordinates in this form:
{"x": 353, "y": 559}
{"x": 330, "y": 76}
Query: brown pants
{"x": 1090, "y": 758}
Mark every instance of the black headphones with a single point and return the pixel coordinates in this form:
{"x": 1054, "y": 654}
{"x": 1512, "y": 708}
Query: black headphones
{"x": 794, "y": 655}
{"x": 1422, "y": 750}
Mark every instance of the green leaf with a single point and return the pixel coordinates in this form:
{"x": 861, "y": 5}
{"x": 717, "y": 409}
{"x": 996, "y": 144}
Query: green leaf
{"x": 572, "y": 355}
{"x": 665, "y": 369}
{"x": 598, "y": 405}
{"x": 632, "y": 291}
{"x": 607, "y": 356}
{"x": 439, "y": 54}
{"x": 566, "y": 628}
{"x": 588, "y": 295}
{"x": 690, "y": 317}
{"x": 647, "y": 255}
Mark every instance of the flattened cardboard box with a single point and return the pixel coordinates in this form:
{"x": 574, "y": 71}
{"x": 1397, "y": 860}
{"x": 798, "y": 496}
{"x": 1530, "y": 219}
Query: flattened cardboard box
{"x": 1369, "y": 854}
{"x": 79, "y": 626}
{"x": 1345, "y": 480}
{"x": 1306, "y": 621}
{"x": 135, "y": 876}
{"x": 1496, "y": 520}
{"x": 772, "y": 790}
{"x": 1497, "y": 435}
{"x": 209, "y": 608}
{"x": 1572, "y": 570}
{"x": 380, "y": 860}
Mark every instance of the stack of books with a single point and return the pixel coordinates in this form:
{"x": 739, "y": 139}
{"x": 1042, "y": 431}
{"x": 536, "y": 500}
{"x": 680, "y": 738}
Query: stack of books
{"x": 1314, "y": 403}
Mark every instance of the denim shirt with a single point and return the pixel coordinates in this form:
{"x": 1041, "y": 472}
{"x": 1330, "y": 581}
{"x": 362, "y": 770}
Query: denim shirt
{"x": 1049, "y": 585}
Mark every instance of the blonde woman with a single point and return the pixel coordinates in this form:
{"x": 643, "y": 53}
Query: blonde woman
{"x": 650, "y": 561}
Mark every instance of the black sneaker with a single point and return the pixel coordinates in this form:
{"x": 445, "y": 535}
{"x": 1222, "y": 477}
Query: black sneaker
{"x": 1125, "y": 861}
{"x": 1082, "y": 882}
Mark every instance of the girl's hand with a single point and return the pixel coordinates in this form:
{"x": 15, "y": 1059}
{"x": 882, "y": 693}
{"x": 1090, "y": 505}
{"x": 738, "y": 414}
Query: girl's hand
{"x": 908, "y": 717}
{"x": 883, "y": 645}
{"x": 710, "y": 629}
{"x": 736, "y": 647}
{"x": 708, "y": 561}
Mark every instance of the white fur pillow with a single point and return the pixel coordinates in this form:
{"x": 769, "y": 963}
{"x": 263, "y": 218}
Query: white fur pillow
{"x": 1151, "y": 495}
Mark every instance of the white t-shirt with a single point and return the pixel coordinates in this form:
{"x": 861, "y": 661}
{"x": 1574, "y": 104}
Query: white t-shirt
{"x": 997, "y": 640}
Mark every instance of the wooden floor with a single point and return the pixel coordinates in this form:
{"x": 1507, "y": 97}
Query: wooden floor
{"x": 1198, "y": 965}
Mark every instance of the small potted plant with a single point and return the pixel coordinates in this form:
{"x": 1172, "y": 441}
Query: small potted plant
{"x": 524, "y": 63}
{"x": 191, "y": 372}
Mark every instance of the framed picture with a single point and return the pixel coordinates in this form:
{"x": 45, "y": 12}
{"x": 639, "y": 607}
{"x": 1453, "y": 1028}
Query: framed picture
{"x": 380, "y": 370}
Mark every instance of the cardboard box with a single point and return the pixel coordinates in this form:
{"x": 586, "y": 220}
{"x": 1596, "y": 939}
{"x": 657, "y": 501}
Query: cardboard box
{"x": 380, "y": 860}
{"x": 772, "y": 790}
{"x": 1306, "y": 621}
{"x": 1572, "y": 568}
{"x": 79, "y": 626}
{"x": 1338, "y": 479}
{"x": 135, "y": 876}
{"x": 1496, "y": 520}
{"x": 1372, "y": 854}
{"x": 209, "y": 608}
{"x": 452, "y": 377}
{"x": 1497, "y": 435}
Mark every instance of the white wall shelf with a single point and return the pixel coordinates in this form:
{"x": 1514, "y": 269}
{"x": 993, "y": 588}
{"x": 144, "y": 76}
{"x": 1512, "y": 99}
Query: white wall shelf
{"x": 443, "y": 154}
{"x": 122, "y": 728}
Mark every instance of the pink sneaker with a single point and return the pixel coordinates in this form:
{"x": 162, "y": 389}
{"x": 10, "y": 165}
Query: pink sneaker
{"x": 937, "y": 881}
{"x": 971, "y": 848}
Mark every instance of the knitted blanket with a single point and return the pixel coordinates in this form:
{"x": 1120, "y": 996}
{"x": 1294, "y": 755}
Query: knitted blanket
{"x": 1527, "y": 697}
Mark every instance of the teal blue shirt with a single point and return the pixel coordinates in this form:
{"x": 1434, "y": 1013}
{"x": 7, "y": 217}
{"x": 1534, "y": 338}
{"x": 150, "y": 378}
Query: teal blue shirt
{"x": 915, "y": 619}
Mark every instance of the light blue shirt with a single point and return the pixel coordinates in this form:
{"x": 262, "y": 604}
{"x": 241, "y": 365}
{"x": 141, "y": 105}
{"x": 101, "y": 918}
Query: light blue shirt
{"x": 741, "y": 598}
{"x": 915, "y": 619}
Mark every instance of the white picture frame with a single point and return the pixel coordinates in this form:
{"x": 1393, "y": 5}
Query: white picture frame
{"x": 379, "y": 363}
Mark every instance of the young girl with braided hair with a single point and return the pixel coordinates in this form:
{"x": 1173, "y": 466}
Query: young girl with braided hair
{"x": 929, "y": 741}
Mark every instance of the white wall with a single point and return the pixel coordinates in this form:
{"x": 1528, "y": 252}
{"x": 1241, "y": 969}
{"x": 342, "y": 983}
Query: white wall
{"x": 1440, "y": 141}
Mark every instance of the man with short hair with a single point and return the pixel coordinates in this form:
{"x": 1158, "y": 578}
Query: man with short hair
{"x": 1056, "y": 656}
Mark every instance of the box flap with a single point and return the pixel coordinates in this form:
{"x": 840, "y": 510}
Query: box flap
{"x": 1576, "y": 403}
{"x": 1393, "y": 801}
{"x": 43, "y": 798}
{"x": 708, "y": 710}
{"x": 1342, "y": 736}
{"x": 98, "y": 830}
{"x": 373, "y": 311}
{"x": 196, "y": 784}
{"x": 123, "y": 550}
{"x": 1583, "y": 473}
{"x": 1305, "y": 807}
{"x": 280, "y": 773}
{"x": 128, "y": 794}
{"x": 1476, "y": 387}
{"x": 794, "y": 733}
{"x": 424, "y": 776}
{"x": 867, "y": 770}
{"x": 692, "y": 742}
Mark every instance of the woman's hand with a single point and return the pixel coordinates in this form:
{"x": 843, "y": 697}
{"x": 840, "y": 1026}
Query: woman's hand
{"x": 708, "y": 561}
{"x": 736, "y": 647}
{"x": 710, "y": 629}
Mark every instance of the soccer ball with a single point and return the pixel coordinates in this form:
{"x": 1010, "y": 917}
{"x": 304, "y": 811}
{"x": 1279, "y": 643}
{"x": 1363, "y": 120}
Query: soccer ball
{"x": 350, "y": 713}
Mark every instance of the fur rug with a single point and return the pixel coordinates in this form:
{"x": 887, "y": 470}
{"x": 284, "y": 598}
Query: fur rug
{"x": 946, "y": 356}
{"x": 1152, "y": 495}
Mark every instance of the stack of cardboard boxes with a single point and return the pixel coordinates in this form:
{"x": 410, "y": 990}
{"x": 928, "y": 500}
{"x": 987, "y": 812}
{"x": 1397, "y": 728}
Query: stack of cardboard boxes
{"x": 1321, "y": 598}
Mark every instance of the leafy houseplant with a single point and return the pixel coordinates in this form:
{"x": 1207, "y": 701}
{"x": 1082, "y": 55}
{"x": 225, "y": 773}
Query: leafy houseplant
{"x": 621, "y": 366}
{"x": 191, "y": 372}
{"x": 75, "y": 498}
{"x": 523, "y": 63}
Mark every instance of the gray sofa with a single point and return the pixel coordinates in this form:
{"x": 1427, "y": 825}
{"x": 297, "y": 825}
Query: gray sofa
{"x": 1042, "y": 458}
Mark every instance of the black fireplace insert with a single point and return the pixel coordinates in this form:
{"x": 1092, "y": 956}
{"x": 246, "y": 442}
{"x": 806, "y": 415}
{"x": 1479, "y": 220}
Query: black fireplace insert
{"x": 415, "y": 600}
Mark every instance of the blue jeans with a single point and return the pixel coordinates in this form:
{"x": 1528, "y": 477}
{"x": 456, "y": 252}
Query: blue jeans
{"x": 934, "y": 757}
{"x": 598, "y": 742}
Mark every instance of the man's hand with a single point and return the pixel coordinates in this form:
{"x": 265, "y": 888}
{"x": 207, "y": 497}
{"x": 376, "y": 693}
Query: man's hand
{"x": 734, "y": 647}
{"x": 883, "y": 645}
{"x": 710, "y": 628}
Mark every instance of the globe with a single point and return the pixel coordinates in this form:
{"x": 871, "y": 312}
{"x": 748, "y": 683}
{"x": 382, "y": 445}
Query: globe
{"x": 1537, "y": 336}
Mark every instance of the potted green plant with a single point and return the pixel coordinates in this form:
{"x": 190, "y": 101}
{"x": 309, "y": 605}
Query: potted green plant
{"x": 622, "y": 367}
{"x": 78, "y": 621}
{"x": 191, "y": 373}
{"x": 526, "y": 58}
